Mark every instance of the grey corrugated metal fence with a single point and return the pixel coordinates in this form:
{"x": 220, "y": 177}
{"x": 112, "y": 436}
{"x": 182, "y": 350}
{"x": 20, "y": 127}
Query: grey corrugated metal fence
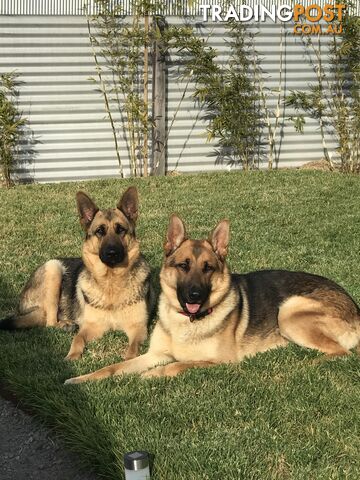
{"x": 71, "y": 134}
{"x": 76, "y": 7}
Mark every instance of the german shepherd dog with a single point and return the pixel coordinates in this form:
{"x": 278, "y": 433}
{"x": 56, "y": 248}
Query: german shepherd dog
{"x": 208, "y": 315}
{"x": 107, "y": 289}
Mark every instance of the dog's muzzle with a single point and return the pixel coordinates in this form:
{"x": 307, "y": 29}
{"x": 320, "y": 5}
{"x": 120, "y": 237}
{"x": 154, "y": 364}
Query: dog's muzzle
{"x": 192, "y": 298}
{"x": 112, "y": 256}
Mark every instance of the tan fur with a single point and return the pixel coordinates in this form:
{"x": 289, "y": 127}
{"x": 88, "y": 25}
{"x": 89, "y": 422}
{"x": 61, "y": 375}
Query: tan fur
{"x": 312, "y": 323}
{"x": 323, "y": 319}
{"x": 53, "y": 278}
{"x": 95, "y": 322}
{"x": 252, "y": 345}
{"x": 39, "y": 303}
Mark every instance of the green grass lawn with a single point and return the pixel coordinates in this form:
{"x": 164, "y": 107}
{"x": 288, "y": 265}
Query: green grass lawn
{"x": 279, "y": 415}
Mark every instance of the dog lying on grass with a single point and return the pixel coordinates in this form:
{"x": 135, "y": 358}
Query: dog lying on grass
{"x": 107, "y": 289}
{"x": 209, "y": 316}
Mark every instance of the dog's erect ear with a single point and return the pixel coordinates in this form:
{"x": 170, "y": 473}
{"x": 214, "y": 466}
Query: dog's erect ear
{"x": 175, "y": 235}
{"x": 129, "y": 204}
{"x": 219, "y": 238}
{"x": 87, "y": 209}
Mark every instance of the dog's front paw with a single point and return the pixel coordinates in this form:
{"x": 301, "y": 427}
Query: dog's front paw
{"x": 74, "y": 380}
{"x": 70, "y": 357}
{"x": 68, "y": 327}
{"x": 129, "y": 355}
{"x": 154, "y": 372}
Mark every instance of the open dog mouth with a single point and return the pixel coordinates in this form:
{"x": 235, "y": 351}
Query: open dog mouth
{"x": 192, "y": 299}
{"x": 192, "y": 308}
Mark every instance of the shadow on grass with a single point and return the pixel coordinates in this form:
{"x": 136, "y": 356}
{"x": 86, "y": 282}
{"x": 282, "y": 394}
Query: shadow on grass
{"x": 8, "y": 298}
{"x": 33, "y": 371}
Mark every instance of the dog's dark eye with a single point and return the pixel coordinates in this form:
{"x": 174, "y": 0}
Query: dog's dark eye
{"x": 208, "y": 268}
{"x": 100, "y": 231}
{"x": 119, "y": 229}
{"x": 184, "y": 266}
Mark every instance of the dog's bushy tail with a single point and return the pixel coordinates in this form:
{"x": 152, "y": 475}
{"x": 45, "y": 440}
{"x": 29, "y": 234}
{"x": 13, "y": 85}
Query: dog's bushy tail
{"x": 35, "y": 317}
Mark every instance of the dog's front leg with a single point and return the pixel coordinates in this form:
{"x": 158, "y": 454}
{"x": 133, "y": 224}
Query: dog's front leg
{"x": 135, "y": 328}
{"x": 77, "y": 347}
{"x": 173, "y": 369}
{"x": 135, "y": 365}
{"x": 136, "y": 336}
{"x": 88, "y": 331}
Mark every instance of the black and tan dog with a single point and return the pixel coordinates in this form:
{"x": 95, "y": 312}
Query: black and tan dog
{"x": 209, "y": 316}
{"x": 107, "y": 289}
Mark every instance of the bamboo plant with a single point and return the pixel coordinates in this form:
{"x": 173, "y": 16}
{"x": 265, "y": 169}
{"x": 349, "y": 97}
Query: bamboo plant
{"x": 334, "y": 101}
{"x": 11, "y": 125}
{"x": 122, "y": 49}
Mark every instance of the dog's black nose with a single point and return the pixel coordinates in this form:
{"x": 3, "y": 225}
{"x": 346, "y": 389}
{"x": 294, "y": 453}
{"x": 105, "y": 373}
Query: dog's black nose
{"x": 112, "y": 255}
{"x": 194, "y": 294}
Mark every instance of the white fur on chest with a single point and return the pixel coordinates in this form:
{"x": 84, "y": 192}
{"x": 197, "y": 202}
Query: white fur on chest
{"x": 114, "y": 319}
{"x": 204, "y": 350}
{"x": 197, "y": 340}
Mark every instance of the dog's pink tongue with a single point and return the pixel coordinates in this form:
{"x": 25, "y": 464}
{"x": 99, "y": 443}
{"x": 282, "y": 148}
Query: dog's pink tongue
{"x": 193, "y": 307}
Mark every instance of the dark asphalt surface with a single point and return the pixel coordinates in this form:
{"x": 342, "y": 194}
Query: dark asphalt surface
{"x": 28, "y": 451}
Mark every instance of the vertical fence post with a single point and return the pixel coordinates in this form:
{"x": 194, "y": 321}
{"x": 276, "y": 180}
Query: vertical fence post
{"x": 159, "y": 101}
{"x": 146, "y": 94}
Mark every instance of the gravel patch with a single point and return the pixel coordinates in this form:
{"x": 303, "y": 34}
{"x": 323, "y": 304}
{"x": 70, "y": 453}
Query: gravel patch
{"x": 28, "y": 451}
